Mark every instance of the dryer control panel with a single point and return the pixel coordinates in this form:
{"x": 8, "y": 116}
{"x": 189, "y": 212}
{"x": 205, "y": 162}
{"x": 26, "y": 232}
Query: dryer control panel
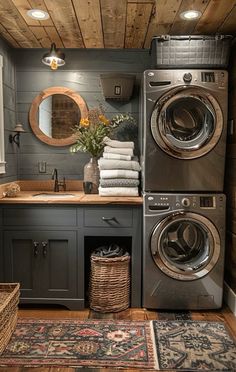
{"x": 208, "y": 78}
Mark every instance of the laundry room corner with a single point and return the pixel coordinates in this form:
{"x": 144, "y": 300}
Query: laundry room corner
{"x": 230, "y": 190}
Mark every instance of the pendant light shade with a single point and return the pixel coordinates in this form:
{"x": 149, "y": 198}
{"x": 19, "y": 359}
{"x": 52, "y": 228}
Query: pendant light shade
{"x": 55, "y": 58}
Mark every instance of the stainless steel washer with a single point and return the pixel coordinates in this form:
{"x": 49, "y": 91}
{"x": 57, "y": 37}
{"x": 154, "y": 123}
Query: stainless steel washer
{"x": 183, "y": 251}
{"x": 184, "y": 117}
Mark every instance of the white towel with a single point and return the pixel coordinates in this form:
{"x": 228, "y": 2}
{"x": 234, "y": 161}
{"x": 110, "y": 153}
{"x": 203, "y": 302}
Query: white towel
{"x": 119, "y": 144}
{"x": 118, "y": 173}
{"x": 119, "y": 150}
{"x": 118, "y": 164}
{"x": 108, "y": 155}
{"x": 118, "y": 191}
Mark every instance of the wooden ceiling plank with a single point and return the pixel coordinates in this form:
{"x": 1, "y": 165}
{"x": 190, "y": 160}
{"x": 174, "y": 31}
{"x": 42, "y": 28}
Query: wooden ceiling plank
{"x": 64, "y": 19}
{"x": 110, "y": 24}
{"x": 41, "y": 36}
{"x": 8, "y": 37}
{"x": 89, "y": 17}
{"x": 23, "y": 6}
{"x": 183, "y": 27}
{"x": 163, "y": 16}
{"x": 40, "y": 4}
{"x": 53, "y": 36}
{"x": 22, "y": 40}
{"x": 138, "y": 16}
{"x": 229, "y": 24}
{"x": 113, "y": 21}
{"x": 166, "y": 10}
{"x": 16, "y": 25}
{"x": 213, "y": 16}
{"x": 142, "y": 1}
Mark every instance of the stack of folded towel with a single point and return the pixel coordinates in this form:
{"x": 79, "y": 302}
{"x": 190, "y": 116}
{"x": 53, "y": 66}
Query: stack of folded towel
{"x": 119, "y": 171}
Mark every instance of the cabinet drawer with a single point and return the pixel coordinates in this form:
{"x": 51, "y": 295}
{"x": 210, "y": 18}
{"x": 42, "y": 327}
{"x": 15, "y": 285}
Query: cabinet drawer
{"x": 108, "y": 217}
{"x": 39, "y": 217}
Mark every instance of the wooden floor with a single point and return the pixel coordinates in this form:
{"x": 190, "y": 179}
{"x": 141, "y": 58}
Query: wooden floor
{"x": 223, "y": 315}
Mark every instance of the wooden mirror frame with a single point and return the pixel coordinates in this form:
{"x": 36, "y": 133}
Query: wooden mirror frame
{"x": 33, "y": 114}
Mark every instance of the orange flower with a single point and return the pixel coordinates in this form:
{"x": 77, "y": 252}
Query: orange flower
{"x": 104, "y": 120}
{"x": 84, "y": 122}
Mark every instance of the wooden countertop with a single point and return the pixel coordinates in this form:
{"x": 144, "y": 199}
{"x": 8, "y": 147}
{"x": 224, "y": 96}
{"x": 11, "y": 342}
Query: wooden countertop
{"x": 30, "y": 188}
{"x": 27, "y": 197}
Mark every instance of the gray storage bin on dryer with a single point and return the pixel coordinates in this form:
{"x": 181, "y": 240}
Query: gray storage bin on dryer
{"x": 195, "y": 51}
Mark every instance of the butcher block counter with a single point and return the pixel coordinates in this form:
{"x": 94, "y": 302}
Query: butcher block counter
{"x": 41, "y": 192}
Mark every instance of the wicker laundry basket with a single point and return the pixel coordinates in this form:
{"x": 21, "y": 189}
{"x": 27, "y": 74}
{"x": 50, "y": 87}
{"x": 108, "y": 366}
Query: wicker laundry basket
{"x": 9, "y": 299}
{"x": 109, "y": 286}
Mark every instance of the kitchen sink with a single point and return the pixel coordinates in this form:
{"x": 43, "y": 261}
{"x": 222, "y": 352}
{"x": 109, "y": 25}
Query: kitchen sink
{"x": 45, "y": 195}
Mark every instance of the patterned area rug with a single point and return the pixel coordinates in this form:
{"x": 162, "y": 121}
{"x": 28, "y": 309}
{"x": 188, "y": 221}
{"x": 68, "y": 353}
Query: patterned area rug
{"x": 177, "y": 345}
{"x": 194, "y": 346}
{"x": 78, "y": 343}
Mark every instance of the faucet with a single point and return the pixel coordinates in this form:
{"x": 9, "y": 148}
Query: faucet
{"x": 58, "y": 184}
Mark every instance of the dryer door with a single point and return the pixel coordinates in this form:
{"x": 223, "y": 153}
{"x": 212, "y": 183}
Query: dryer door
{"x": 185, "y": 246}
{"x": 187, "y": 122}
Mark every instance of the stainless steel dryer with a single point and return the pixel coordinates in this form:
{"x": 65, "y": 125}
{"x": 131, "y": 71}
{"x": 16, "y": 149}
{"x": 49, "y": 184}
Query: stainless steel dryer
{"x": 183, "y": 251}
{"x": 184, "y": 117}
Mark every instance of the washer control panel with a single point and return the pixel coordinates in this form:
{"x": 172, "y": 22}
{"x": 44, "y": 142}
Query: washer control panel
{"x": 159, "y": 203}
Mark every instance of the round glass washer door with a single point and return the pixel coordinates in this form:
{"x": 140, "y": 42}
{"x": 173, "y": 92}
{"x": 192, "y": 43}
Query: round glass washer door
{"x": 187, "y": 122}
{"x": 185, "y": 246}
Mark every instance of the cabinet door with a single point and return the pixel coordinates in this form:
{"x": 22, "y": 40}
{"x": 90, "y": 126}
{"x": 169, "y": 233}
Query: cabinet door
{"x": 59, "y": 264}
{"x": 44, "y": 263}
{"x": 22, "y": 260}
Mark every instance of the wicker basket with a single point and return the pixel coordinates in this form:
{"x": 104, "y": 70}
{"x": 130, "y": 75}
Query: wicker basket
{"x": 109, "y": 287}
{"x": 9, "y": 299}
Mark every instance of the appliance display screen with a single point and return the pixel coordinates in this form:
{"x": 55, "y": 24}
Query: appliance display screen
{"x": 208, "y": 77}
{"x": 207, "y": 202}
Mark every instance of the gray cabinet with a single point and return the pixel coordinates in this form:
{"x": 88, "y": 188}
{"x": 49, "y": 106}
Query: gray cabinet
{"x": 43, "y": 262}
{"x": 47, "y": 248}
{"x": 120, "y": 225}
{"x": 41, "y": 251}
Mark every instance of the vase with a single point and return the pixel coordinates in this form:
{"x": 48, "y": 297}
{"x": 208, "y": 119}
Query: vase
{"x": 92, "y": 175}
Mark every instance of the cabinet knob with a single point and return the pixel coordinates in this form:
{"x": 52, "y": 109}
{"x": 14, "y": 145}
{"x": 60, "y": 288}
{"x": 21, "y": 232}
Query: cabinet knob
{"x": 44, "y": 244}
{"x": 35, "y": 244}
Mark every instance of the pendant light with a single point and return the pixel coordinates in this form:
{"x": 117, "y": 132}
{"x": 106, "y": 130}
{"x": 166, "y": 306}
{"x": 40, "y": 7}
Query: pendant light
{"x": 55, "y": 58}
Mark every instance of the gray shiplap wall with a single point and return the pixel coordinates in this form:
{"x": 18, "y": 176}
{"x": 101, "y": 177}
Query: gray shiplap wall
{"x": 82, "y": 74}
{"x": 9, "y": 102}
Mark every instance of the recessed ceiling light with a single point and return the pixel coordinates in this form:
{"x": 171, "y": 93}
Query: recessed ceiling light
{"x": 38, "y": 14}
{"x": 190, "y": 15}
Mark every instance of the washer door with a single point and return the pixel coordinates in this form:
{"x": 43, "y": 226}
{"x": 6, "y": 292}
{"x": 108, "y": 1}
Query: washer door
{"x": 187, "y": 122}
{"x": 185, "y": 246}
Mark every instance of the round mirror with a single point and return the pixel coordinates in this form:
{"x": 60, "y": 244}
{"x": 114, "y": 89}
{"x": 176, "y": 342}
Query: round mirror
{"x": 54, "y": 113}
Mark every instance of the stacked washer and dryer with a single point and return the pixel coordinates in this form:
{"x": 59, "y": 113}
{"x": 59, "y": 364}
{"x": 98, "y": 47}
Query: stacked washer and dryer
{"x": 184, "y": 116}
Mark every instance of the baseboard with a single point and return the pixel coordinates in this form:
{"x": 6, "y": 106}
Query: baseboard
{"x": 230, "y": 298}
